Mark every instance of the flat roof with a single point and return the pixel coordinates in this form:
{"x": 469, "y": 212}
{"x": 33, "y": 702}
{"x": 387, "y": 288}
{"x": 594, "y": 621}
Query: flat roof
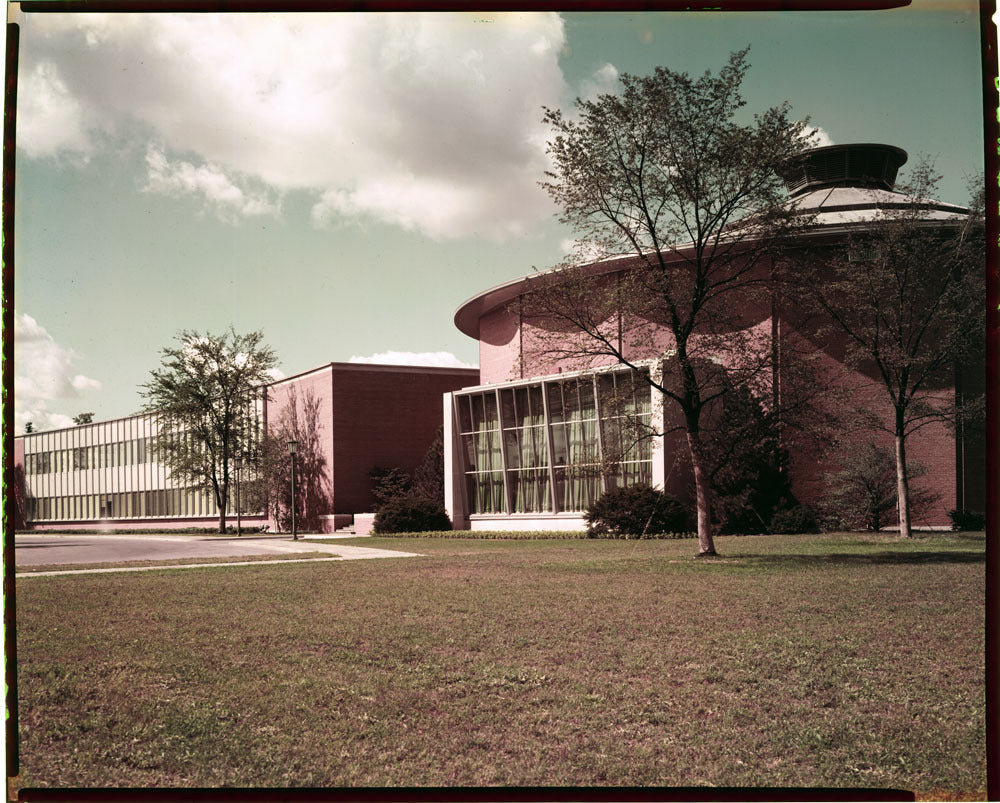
{"x": 340, "y": 366}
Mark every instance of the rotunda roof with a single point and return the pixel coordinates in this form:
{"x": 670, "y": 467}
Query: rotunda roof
{"x": 840, "y": 186}
{"x": 855, "y": 165}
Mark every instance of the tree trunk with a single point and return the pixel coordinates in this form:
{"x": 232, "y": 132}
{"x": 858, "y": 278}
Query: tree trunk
{"x": 223, "y": 498}
{"x": 902, "y": 487}
{"x": 706, "y": 544}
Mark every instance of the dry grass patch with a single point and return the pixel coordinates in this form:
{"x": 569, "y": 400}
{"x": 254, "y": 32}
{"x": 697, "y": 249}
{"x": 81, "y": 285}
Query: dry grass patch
{"x": 792, "y": 661}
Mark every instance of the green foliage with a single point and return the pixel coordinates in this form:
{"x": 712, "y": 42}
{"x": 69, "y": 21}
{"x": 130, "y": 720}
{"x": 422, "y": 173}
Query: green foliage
{"x": 428, "y": 479}
{"x": 496, "y": 535}
{"x": 670, "y": 171}
{"x": 203, "y": 395}
{"x": 389, "y": 484}
{"x": 797, "y": 519}
{"x": 862, "y": 491}
{"x": 411, "y": 513}
{"x": 965, "y": 520}
{"x": 427, "y": 482}
{"x": 636, "y": 511}
{"x": 749, "y": 478}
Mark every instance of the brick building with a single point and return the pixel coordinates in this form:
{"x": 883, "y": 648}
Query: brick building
{"x": 529, "y": 448}
{"x": 360, "y": 416}
{"x": 530, "y": 440}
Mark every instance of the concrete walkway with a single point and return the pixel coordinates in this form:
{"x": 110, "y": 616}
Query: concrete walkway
{"x": 42, "y": 550}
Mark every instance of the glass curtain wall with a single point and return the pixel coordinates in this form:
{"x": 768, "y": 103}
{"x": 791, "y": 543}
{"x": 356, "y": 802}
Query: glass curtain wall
{"x": 113, "y": 470}
{"x": 483, "y": 463}
{"x": 554, "y": 445}
{"x": 525, "y": 448}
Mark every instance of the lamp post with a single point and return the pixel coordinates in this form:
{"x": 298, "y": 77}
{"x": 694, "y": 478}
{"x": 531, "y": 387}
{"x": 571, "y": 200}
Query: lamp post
{"x": 292, "y": 446}
{"x": 238, "y": 464}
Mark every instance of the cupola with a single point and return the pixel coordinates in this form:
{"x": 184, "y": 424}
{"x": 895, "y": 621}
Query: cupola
{"x": 862, "y": 165}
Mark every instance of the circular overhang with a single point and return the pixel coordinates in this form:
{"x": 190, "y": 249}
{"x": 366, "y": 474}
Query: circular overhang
{"x": 841, "y": 186}
{"x": 468, "y": 314}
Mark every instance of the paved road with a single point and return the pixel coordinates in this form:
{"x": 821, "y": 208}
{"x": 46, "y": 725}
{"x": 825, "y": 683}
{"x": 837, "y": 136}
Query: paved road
{"x": 47, "y": 550}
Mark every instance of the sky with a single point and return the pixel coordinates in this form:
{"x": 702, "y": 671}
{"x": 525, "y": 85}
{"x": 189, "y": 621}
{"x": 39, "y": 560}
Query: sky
{"x": 344, "y": 182}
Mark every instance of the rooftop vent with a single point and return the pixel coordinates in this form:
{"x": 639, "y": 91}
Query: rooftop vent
{"x": 865, "y": 165}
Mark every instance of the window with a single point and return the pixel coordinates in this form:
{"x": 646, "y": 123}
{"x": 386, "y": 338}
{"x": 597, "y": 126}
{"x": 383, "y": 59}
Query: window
{"x": 526, "y": 449}
{"x": 554, "y": 445}
{"x": 481, "y": 445}
{"x": 80, "y": 458}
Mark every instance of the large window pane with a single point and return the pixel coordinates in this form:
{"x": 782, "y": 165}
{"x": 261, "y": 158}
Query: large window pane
{"x": 530, "y": 491}
{"x": 508, "y": 417}
{"x": 518, "y": 416}
{"x": 555, "y": 402}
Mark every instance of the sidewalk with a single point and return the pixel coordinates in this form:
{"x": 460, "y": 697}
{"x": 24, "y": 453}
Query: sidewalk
{"x": 342, "y": 553}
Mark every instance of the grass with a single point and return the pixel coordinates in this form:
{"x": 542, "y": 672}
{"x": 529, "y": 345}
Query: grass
{"x": 844, "y": 661}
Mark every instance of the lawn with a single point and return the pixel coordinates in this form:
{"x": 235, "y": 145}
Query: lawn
{"x": 844, "y": 661}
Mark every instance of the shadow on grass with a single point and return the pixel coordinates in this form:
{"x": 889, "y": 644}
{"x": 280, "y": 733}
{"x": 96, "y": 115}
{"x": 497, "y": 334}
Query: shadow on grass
{"x": 883, "y": 558}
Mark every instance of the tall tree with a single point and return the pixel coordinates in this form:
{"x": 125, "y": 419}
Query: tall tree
{"x": 83, "y": 418}
{"x": 204, "y": 396}
{"x": 270, "y": 489}
{"x": 668, "y": 173}
{"x": 906, "y": 296}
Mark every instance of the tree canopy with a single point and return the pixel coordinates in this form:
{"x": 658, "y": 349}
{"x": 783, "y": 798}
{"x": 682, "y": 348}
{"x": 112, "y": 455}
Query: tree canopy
{"x": 905, "y": 294}
{"x": 204, "y": 396}
{"x": 668, "y": 172}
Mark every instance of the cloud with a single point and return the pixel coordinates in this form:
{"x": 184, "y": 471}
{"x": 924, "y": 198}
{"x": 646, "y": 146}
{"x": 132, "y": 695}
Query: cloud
{"x": 442, "y": 359}
{"x": 819, "y": 137}
{"x": 604, "y": 81}
{"x": 50, "y": 119}
{"x": 217, "y": 192}
{"x": 44, "y": 376}
{"x": 431, "y": 122}
{"x": 583, "y": 250}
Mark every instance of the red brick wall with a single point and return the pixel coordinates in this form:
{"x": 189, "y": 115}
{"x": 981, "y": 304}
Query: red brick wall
{"x": 387, "y": 417}
{"x": 932, "y": 446}
{"x": 499, "y": 346}
{"x": 317, "y": 385}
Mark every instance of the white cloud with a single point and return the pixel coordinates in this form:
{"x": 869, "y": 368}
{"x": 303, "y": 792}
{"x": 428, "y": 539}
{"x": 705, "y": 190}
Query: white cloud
{"x": 427, "y": 121}
{"x": 604, "y": 81}
{"x": 820, "y": 138}
{"x": 583, "y": 250}
{"x": 50, "y": 119}
{"x": 443, "y": 359}
{"x": 217, "y": 192}
{"x": 44, "y": 377}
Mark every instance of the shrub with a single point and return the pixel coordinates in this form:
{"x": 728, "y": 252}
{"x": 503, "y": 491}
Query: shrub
{"x": 862, "y": 493}
{"x": 797, "y": 519}
{"x": 749, "y": 476}
{"x": 389, "y": 484}
{"x": 636, "y": 510}
{"x": 966, "y": 520}
{"x": 411, "y": 514}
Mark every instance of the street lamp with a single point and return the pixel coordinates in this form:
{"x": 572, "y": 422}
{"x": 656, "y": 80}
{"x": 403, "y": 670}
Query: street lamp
{"x": 292, "y": 446}
{"x": 238, "y": 464}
